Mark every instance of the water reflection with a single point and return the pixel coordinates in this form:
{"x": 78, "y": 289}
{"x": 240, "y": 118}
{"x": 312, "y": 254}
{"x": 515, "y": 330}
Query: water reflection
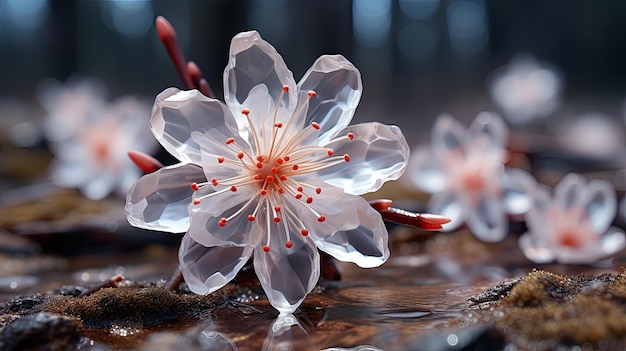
{"x": 286, "y": 332}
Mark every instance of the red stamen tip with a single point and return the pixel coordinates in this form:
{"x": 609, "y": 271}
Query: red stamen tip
{"x": 280, "y": 161}
{"x": 214, "y": 181}
{"x": 318, "y": 190}
{"x": 270, "y": 178}
{"x": 245, "y": 111}
{"x": 222, "y": 222}
{"x": 298, "y": 196}
{"x": 196, "y": 201}
{"x": 346, "y": 157}
{"x": 266, "y": 248}
{"x": 276, "y": 219}
{"x": 230, "y": 141}
{"x": 309, "y": 200}
{"x": 251, "y": 218}
{"x": 258, "y": 177}
{"x": 277, "y": 208}
{"x": 263, "y": 191}
{"x": 311, "y": 93}
{"x": 240, "y": 155}
{"x": 321, "y": 218}
{"x": 259, "y": 165}
{"x": 220, "y": 159}
{"x": 233, "y": 188}
{"x": 330, "y": 152}
{"x": 259, "y": 158}
{"x": 281, "y": 191}
{"x": 289, "y": 244}
{"x": 286, "y": 158}
{"x": 274, "y": 170}
{"x": 285, "y": 88}
{"x": 350, "y": 136}
{"x": 295, "y": 167}
{"x": 315, "y": 125}
{"x": 278, "y": 124}
{"x": 299, "y": 188}
{"x": 305, "y": 232}
{"x": 283, "y": 177}
{"x": 195, "y": 186}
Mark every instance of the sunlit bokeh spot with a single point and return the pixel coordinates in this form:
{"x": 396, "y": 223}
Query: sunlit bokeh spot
{"x": 467, "y": 25}
{"x": 131, "y": 18}
{"x": 419, "y": 9}
{"x": 371, "y": 21}
{"x": 19, "y": 19}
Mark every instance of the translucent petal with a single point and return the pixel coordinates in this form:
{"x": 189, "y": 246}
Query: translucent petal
{"x": 424, "y": 171}
{"x": 205, "y": 225}
{"x": 569, "y": 191}
{"x": 254, "y": 61}
{"x": 613, "y": 241}
{"x": 487, "y": 220}
{"x": 338, "y": 88}
{"x": 518, "y": 187}
{"x": 447, "y": 136}
{"x": 487, "y": 131}
{"x": 207, "y": 269}
{"x": 365, "y": 242}
{"x": 176, "y": 114}
{"x": 160, "y": 200}
{"x": 534, "y": 249}
{"x": 283, "y": 332}
{"x": 286, "y": 274}
{"x": 448, "y": 204}
{"x": 378, "y": 153}
{"x": 593, "y": 251}
{"x": 537, "y": 217}
{"x": 213, "y": 146}
{"x": 600, "y": 203}
{"x": 338, "y": 208}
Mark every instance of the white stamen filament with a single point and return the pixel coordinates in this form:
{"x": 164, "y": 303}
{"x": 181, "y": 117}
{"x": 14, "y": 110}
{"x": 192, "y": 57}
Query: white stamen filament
{"x": 271, "y": 167}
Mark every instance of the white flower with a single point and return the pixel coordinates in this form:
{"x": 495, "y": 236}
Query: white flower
{"x": 275, "y": 171}
{"x": 464, "y": 171}
{"x": 572, "y": 226}
{"x": 70, "y": 105}
{"x": 526, "y": 90}
{"x": 90, "y": 139}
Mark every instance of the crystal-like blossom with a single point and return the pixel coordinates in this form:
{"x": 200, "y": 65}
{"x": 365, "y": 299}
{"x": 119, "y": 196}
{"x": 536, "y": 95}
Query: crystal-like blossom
{"x": 464, "y": 171}
{"x": 274, "y": 172}
{"x": 574, "y": 225}
{"x": 526, "y": 90}
{"x": 90, "y": 138}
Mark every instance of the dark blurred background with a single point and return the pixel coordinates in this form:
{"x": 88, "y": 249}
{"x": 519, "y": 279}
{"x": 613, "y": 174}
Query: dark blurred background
{"x": 418, "y": 58}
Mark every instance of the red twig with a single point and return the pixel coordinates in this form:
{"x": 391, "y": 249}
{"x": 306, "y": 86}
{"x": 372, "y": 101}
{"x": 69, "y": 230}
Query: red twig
{"x": 424, "y": 221}
{"x": 167, "y": 34}
{"x": 145, "y": 162}
{"x": 189, "y": 72}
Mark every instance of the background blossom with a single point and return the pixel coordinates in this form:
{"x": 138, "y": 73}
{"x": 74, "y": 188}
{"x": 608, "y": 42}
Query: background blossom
{"x": 464, "y": 171}
{"x": 90, "y": 138}
{"x": 526, "y": 90}
{"x": 573, "y": 225}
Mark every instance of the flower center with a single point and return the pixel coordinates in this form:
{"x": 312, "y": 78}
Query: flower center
{"x": 280, "y": 155}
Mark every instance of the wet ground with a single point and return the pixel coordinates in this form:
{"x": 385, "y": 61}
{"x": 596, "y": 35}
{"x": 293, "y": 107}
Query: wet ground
{"x": 437, "y": 292}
